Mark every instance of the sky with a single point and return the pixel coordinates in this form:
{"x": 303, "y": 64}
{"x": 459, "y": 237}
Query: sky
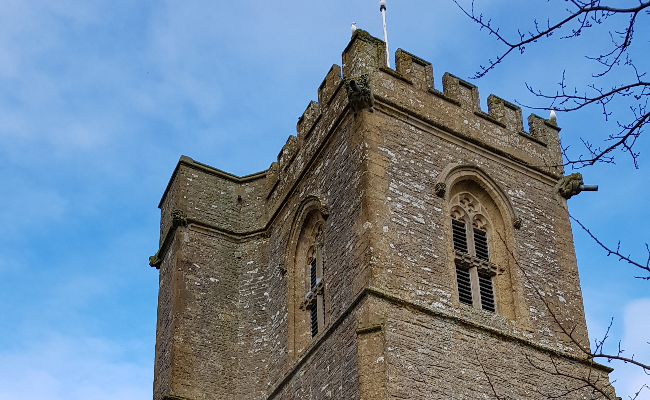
{"x": 98, "y": 100}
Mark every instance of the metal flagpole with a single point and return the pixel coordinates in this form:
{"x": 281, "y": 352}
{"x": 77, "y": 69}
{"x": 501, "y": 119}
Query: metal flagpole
{"x": 382, "y": 8}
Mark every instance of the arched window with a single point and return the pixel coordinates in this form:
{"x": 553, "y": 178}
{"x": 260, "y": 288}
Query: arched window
{"x": 307, "y": 275}
{"x": 481, "y": 243}
{"x": 314, "y": 296}
{"x": 471, "y": 233}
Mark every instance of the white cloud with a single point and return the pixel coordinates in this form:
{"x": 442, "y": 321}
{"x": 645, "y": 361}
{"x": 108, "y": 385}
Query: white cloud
{"x": 630, "y": 378}
{"x": 58, "y": 368}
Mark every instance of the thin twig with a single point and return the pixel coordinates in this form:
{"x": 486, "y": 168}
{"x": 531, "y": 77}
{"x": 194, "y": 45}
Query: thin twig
{"x": 617, "y": 252}
{"x": 584, "y": 15}
{"x": 494, "y": 391}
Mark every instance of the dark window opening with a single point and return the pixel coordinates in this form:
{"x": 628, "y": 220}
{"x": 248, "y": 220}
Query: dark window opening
{"x": 312, "y": 272}
{"x": 459, "y": 235}
{"x": 464, "y": 286}
{"x": 487, "y": 292}
{"x": 314, "y": 320}
{"x": 481, "y": 245}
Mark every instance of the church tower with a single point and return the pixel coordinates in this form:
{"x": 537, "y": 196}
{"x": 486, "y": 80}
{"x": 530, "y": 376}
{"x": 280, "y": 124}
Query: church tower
{"x": 405, "y": 245}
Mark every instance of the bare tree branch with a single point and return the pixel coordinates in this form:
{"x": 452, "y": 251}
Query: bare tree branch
{"x": 593, "y": 381}
{"x": 585, "y": 11}
{"x": 617, "y": 252}
{"x": 494, "y": 391}
{"x": 569, "y": 332}
{"x": 582, "y": 15}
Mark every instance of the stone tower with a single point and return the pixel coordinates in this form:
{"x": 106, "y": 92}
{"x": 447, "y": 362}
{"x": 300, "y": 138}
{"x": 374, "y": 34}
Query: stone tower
{"x": 405, "y": 245}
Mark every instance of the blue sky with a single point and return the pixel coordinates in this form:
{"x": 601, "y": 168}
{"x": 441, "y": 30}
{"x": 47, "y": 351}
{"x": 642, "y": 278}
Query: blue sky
{"x": 99, "y": 99}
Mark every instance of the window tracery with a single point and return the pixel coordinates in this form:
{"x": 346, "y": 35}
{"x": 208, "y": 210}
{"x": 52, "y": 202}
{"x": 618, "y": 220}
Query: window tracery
{"x": 478, "y": 204}
{"x": 314, "y": 298}
{"x": 474, "y": 271}
{"x": 306, "y": 275}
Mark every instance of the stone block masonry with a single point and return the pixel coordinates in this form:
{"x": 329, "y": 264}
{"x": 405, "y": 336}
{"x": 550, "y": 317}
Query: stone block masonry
{"x": 333, "y": 274}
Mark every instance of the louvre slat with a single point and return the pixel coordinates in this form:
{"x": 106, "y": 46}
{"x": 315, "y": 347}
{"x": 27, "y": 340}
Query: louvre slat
{"x": 464, "y": 286}
{"x": 481, "y": 245}
{"x": 459, "y": 235}
{"x": 314, "y": 321}
{"x": 487, "y": 293}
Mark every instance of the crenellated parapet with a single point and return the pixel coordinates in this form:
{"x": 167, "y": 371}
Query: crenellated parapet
{"x": 410, "y": 89}
{"x": 456, "y": 109}
{"x": 313, "y": 127}
{"x": 416, "y": 70}
{"x": 288, "y": 152}
{"x": 364, "y": 54}
{"x": 507, "y": 114}
{"x": 462, "y": 92}
{"x": 307, "y": 121}
{"x": 330, "y": 85}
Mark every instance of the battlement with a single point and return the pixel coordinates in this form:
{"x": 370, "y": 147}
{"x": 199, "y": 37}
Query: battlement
{"x": 410, "y": 89}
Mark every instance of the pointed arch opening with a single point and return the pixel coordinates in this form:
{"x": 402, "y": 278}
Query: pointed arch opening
{"x": 480, "y": 220}
{"x": 306, "y": 273}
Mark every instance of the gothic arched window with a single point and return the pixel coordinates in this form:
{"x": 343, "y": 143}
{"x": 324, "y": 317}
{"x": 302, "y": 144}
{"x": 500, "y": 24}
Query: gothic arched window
{"x": 471, "y": 231}
{"x": 481, "y": 246}
{"x": 307, "y": 276}
{"x": 314, "y": 294}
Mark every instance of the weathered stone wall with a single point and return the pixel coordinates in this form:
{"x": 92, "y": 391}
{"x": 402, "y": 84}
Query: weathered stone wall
{"x": 327, "y": 370}
{"x": 412, "y": 226}
{"x": 206, "y": 316}
{"x": 212, "y": 317}
{"x": 164, "y": 326}
{"x": 428, "y": 356}
{"x": 382, "y": 180}
{"x": 337, "y": 181}
{"x": 215, "y": 198}
{"x": 212, "y": 286}
{"x": 385, "y": 347}
{"x": 253, "y": 342}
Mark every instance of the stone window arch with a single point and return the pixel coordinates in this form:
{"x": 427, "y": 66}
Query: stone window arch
{"x": 314, "y": 301}
{"x": 479, "y": 212}
{"x": 307, "y": 276}
{"x": 472, "y": 233}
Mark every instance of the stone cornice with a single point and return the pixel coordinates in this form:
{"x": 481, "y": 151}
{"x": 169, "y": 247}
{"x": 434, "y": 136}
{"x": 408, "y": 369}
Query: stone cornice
{"x": 187, "y": 161}
{"x": 379, "y": 294}
{"x": 388, "y": 104}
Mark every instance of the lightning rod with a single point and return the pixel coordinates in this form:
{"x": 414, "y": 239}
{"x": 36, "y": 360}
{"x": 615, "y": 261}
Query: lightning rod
{"x": 382, "y": 8}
